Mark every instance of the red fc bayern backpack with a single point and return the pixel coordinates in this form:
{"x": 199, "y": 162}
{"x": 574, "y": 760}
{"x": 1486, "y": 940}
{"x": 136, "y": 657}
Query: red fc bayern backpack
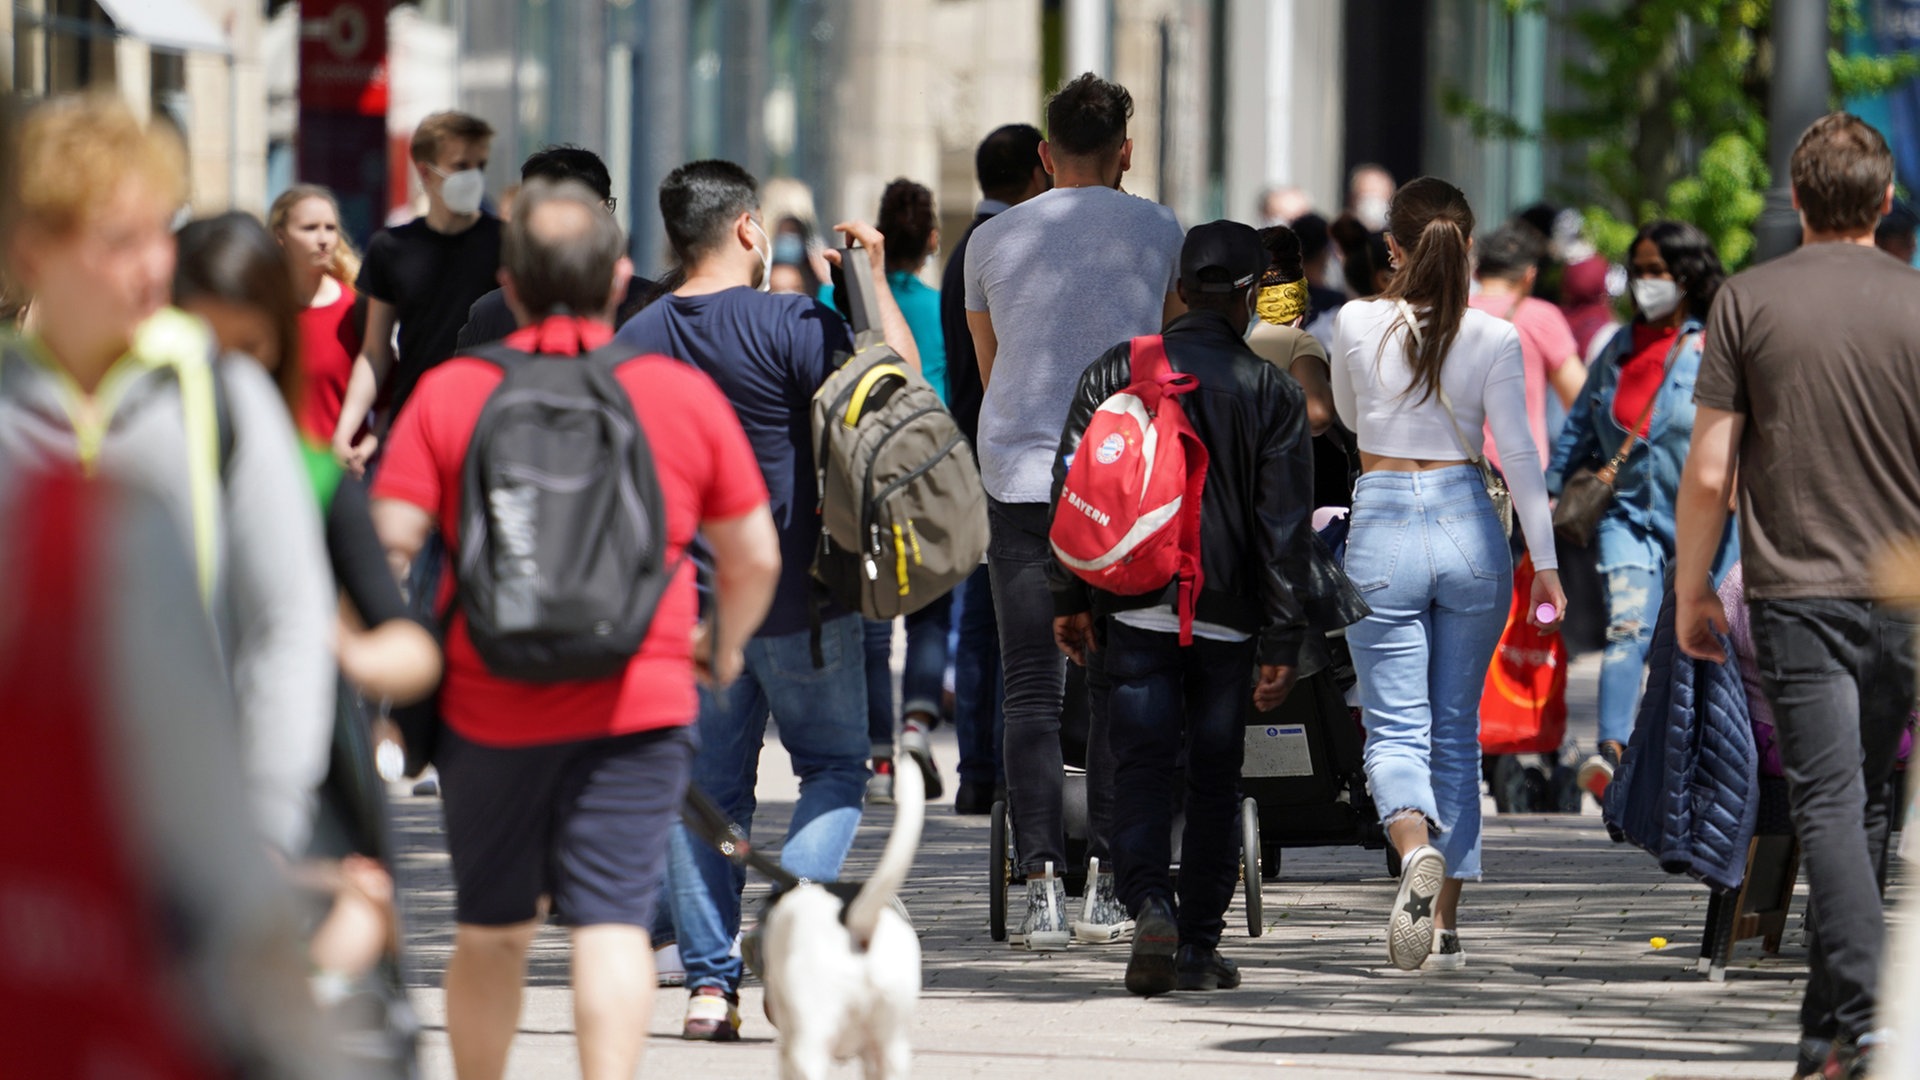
{"x": 1128, "y": 521}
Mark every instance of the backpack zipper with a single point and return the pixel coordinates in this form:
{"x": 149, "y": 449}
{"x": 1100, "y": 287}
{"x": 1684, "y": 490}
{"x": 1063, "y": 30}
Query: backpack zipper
{"x": 867, "y": 523}
{"x": 872, "y": 508}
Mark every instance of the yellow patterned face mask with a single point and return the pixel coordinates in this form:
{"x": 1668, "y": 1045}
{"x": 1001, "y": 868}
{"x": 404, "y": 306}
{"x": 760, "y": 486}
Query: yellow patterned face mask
{"x": 1281, "y": 304}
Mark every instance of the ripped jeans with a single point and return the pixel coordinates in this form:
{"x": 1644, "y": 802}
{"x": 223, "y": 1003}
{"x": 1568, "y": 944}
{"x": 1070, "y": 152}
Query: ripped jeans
{"x": 1632, "y": 571}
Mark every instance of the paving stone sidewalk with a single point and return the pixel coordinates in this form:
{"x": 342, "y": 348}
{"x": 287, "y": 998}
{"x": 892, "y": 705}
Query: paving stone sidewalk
{"x": 1561, "y": 980}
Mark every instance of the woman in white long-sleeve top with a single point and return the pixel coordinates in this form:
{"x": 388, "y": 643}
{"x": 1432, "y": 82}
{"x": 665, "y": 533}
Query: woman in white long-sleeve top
{"x": 1418, "y": 376}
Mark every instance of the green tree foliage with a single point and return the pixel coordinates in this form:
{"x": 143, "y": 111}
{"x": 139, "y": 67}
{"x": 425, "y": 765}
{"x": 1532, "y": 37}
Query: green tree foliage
{"x": 1673, "y": 113}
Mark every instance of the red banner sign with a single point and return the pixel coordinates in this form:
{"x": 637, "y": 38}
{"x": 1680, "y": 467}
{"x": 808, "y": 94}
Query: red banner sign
{"x": 343, "y": 56}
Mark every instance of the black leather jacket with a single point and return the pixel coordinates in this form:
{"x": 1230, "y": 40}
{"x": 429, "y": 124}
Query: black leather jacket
{"x": 1266, "y": 573}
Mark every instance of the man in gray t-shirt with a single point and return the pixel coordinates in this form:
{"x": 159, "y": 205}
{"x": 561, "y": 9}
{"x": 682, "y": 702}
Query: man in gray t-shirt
{"x": 1052, "y": 283}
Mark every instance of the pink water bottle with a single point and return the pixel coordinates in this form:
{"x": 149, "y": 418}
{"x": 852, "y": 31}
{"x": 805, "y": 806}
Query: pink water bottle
{"x": 1545, "y": 614}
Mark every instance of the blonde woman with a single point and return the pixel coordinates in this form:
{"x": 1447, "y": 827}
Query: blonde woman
{"x": 306, "y": 222}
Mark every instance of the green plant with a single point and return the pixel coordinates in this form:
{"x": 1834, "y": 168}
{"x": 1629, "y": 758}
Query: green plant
{"x": 1673, "y": 113}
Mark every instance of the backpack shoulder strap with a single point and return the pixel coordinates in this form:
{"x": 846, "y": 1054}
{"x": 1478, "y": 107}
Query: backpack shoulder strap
{"x": 497, "y": 353}
{"x": 1148, "y": 359}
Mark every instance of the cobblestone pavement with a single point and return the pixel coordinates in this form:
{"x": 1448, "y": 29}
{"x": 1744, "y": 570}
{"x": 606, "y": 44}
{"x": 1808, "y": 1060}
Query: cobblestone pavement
{"x": 1562, "y": 980}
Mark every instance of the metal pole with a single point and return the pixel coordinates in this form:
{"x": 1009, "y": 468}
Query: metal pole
{"x": 1088, "y": 37}
{"x": 1798, "y": 97}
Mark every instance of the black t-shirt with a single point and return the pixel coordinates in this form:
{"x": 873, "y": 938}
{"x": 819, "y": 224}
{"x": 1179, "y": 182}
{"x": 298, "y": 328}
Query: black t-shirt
{"x": 431, "y": 279}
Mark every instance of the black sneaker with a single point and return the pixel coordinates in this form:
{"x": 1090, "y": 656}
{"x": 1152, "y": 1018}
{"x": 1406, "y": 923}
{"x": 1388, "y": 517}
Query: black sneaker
{"x": 1156, "y": 938}
{"x": 1197, "y": 968}
{"x": 1815, "y": 1054}
{"x": 973, "y": 799}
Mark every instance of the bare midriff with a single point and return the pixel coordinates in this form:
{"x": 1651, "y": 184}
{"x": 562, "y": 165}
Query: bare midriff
{"x": 1375, "y": 463}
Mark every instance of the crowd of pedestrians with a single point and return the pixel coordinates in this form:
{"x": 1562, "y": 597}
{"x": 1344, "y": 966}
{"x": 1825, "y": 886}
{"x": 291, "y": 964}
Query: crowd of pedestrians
{"x": 348, "y": 449}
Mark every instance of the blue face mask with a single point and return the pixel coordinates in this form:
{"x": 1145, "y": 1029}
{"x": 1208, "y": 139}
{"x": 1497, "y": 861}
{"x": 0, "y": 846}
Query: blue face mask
{"x": 789, "y": 249}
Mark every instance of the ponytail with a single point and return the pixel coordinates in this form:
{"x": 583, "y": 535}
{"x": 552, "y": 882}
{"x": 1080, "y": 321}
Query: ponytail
{"x": 1431, "y": 221}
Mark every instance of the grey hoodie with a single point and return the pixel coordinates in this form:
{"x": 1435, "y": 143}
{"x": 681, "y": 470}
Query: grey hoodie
{"x": 270, "y": 594}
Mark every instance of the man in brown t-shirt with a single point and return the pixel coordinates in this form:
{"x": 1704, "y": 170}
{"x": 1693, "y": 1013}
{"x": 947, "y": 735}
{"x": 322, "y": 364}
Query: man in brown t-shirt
{"x": 1810, "y": 392}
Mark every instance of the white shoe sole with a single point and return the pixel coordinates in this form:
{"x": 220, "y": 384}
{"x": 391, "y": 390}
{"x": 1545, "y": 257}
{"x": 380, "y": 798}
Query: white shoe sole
{"x": 1440, "y": 961}
{"x": 1410, "y": 927}
{"x": 1047, "y": 940}
{"x": 1103, "y": 933}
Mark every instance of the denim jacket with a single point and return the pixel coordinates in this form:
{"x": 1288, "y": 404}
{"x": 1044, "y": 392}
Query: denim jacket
{"x": 1648, "y": 483}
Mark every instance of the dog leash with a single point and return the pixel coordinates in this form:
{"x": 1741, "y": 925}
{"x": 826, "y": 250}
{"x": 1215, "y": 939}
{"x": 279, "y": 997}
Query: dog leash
{"x": 712, "y": 825}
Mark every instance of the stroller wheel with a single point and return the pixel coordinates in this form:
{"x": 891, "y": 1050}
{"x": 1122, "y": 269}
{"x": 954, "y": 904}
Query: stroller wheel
{"x": 1250, "y": 864}
{"x": 999, "y": 872}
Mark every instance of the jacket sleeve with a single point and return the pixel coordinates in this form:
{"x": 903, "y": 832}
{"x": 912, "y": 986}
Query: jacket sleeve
{"x": 1578, "y": 444}
{"x": 1283, "y": 505}
{"x": 1106, "y": 376}
{"x": 279, "y": 612}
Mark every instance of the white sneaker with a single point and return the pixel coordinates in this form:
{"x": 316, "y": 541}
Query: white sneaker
{"x": 1102, "y": 920}
{"x": 880, "y": 784}
{"x": 1044, "y": 929}
{"x": 1410, "y": 926}
{"x": 667, "y": 966}
{"x": 1446, "y": 954}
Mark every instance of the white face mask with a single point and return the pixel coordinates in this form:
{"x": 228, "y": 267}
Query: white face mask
{"x": 463, "y": 191}
{"x": 765, "y": 283}
{"x": 1655, "y": 297}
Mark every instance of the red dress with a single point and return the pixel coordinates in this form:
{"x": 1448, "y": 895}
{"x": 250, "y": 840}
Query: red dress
{"x": 329, "y": 341}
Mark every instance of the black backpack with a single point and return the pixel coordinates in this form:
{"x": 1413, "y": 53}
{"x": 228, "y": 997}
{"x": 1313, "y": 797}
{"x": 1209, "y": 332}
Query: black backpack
{"x": 563, "y": 530}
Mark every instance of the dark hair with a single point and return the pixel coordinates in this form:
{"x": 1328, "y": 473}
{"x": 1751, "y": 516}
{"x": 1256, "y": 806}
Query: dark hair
{"x": 1841, "y": 169}
{"x": 566, "y": 262}
{"x": 1363, "y": 254}
{"x": 907, "y": 222}
{"x": 1508, "y": 252}
{"x": 569, "y": 163}
{"x": 233, "y": 259}
{"x": 1690, "y": 258}
{"x": 1431, "y": 221}
{"x": 1314, "y": 236}
{"x": 1284, "y": 263}
{"x": 1005, "y": 161}
{"x": 700, "y": 201}
{"x": 1088, "y": 117}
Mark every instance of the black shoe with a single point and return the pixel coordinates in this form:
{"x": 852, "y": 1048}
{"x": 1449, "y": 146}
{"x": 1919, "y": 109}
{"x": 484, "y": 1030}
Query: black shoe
{"x": 1815, "y": 1054}
{"x": 1198, "y": 968}
{"x": 1156, "y": 938}
{"x": 973, "y": 799}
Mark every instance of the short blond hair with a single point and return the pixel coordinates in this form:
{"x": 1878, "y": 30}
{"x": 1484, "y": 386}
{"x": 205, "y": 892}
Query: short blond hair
{"x": 435, "y": 130}
{"x": 75, "y": 151}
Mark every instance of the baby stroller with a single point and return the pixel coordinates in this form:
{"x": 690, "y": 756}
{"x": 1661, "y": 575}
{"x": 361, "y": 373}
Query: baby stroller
{"x": 1304, "y": 777}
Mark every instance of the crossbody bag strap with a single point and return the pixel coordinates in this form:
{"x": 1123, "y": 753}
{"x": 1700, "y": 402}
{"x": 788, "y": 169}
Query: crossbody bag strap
{"x": 1646, "y": 414}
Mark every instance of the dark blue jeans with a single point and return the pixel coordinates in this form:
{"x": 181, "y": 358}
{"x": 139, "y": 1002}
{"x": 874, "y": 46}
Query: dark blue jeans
{"x": 1164, "y": 698}
{"x": 977, "y": 685}
{"x": 923, "y": 681}
{"x": 1840, "y": 677}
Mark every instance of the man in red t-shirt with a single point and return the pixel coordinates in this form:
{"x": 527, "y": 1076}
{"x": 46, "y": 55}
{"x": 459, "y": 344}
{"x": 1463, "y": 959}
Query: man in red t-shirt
{"x": 568, "y": 789}
{"x": 1508, "y": 262}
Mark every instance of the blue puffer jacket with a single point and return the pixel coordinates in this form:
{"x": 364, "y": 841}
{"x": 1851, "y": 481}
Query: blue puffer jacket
{"x": 1688, "y": 792}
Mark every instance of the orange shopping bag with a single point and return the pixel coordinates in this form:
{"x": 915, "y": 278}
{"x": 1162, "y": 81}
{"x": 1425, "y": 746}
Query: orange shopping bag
{"x": 1523, "y": 709}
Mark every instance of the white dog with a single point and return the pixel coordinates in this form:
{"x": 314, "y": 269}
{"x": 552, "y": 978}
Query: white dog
{"x": 843, "y": 976}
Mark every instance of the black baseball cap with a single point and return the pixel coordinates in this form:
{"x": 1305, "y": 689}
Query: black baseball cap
{"x": 1222, "y": 257}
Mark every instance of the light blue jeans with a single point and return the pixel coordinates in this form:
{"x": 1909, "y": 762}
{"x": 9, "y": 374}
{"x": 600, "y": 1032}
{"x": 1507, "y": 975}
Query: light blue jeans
{"x": 823, "y": 725}
{"x": 1630, "y": 563}
{"x": 1427, "y": 553}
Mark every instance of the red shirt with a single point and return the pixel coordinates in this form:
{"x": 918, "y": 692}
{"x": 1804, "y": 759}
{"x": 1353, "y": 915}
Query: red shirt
{"x": 707, "y": 473}
{"x": 329, "y": 341}
{"x": 1641, "y": 374}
